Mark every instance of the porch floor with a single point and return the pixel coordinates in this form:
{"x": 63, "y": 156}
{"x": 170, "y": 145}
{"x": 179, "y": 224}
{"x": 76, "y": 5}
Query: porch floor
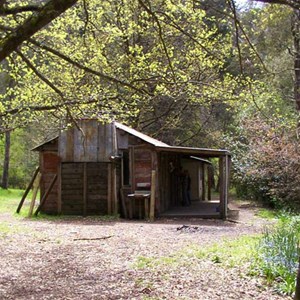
{"x": 198, "y": 209}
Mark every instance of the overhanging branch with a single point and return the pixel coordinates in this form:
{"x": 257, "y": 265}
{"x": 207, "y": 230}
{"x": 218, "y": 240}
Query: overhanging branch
{"x": 51, "y": 10}
{"x": 86, "y": 69}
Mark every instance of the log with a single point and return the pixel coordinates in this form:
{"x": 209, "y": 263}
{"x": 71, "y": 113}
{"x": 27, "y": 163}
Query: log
{"x": 36, "y": 186}
{"x": 27, "y": 190}
{"x": 43, "y": 200}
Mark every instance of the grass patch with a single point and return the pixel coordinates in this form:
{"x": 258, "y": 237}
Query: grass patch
{"x": 9, "y": 200}
{"x": 267, "y": 214}
{"x": 229, "y": 253}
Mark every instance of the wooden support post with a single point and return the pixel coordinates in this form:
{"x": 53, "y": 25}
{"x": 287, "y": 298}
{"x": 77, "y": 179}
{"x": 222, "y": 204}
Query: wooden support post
{"x": 84, "y": 188}
{"x": 224, "y": 185}
{"x": 43, "y": 200}
{"x": 146, "y": 204}
{"x": 27, "y": 190}
{"x": 152, "y": 196}
{"x": 59, "y": 200}
{"x": 203, "y": 182}
{"x": 221, "y": 186}
{"x": 209, "y": 181}
{"x": 36, "y": 186}
{"x": 109, "y": 188}
{"x": 114, "y": 191}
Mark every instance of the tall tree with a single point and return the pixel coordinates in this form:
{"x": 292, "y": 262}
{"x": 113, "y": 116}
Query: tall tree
{"x": 5, "y": 172}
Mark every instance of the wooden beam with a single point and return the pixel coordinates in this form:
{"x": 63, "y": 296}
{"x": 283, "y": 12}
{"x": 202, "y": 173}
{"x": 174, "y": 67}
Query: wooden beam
{"x": 221, "y": 186}
{"x": 84, "y": 188}
{"x": 114, "y": 190}
{"x": 224, "y": 185}
{"x": 203, "y": 182}
{"x": 109, "y": 188}
{"x": 36, "y": 186}
{"x": 209, "y": 181}
{"x": 27, "y": 190}
{"x": 43, "y": 200}
{"x": 152, "y": 197}
{"x": 59, "y": 200}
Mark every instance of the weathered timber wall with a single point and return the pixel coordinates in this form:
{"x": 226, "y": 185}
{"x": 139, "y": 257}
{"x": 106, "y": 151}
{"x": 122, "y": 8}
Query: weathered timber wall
{"x": 84, "y": 188}
{"x": 142, "y": 166}
{"x": 93, "y": 143}
{"x": 49, "y": 162}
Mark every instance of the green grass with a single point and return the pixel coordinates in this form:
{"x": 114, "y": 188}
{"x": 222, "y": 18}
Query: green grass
{"x": 9, "y": 200}
{"x": 228, "y": 253}
{"x": 267, "y": 214}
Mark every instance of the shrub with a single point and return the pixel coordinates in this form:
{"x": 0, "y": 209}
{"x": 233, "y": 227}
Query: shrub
{"x": 266, "y": 163}
{"x": 278, "y": 254}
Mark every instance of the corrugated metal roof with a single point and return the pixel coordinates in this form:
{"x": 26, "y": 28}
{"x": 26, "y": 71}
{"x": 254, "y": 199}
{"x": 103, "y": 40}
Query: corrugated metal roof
{"x": 203, "y": 152}
{"x": 37, "y": 148}
{"x": 201, "y": 159}
{"x": 140, "y": 135}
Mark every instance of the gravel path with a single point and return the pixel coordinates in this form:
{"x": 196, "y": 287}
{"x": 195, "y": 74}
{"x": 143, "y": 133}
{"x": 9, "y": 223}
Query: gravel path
{"x": 86, "y": 258}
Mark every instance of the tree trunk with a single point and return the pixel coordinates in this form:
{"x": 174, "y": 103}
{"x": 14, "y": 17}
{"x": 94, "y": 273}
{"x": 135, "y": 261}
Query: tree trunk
{"x": 296, "y": 37}
{"x": 4, "y": 182}
{"x": 297, "y": 291}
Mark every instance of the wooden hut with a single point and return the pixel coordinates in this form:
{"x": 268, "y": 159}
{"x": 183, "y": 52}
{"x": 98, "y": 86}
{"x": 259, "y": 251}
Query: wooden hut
{"x": 105, "y": 169}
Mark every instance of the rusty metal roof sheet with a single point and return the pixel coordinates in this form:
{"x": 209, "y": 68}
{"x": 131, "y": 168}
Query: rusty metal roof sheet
{"x": 140, "y": 135}
{"x": 202, "y": 152}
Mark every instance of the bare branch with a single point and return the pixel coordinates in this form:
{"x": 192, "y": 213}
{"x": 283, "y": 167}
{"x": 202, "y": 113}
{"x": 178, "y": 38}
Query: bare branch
{"x": 51, "y": 10}
{"x": 39, "y": 75}
{"x": 233, "y": 9}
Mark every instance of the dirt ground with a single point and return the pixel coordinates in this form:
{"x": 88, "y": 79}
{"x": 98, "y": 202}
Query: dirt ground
{"x": 86, "y": 258}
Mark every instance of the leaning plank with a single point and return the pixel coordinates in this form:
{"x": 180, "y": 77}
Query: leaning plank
{"x": 43, "y": 200}
{"x": 152, "y": 197}
{"x": 36, "y": 186}
{"x": 28, "y": 189}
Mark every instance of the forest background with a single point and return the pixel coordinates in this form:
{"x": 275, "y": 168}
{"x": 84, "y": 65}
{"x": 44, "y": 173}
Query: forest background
{"x": 190, "y": 73}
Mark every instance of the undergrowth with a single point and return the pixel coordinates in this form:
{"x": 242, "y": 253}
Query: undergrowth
{"x": 278, "y": 253}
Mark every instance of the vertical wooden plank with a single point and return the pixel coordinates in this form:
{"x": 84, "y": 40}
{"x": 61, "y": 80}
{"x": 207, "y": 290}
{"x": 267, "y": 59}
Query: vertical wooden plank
{"x": 221, "y": 184}
{"x": 146, "y": 205}
{"x": 132, "y": 157}
{"x": 226, "y": 185}
{"x": 203, "y": 182}
{"x": 59, "y": 188}
{"x": 91, "y": 140}
{"x": 108, "y": 141}
{"x": 84, "y": 188}
{"x": 109, "y": 188}
{"x": 152, "y": 196}
{"x": 114, "y": 190}
{"x": 209, "y": 181}
{"x": 70, "y": 145}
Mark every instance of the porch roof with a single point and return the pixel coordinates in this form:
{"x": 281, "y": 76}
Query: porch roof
{"x": 202, "y": 152}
